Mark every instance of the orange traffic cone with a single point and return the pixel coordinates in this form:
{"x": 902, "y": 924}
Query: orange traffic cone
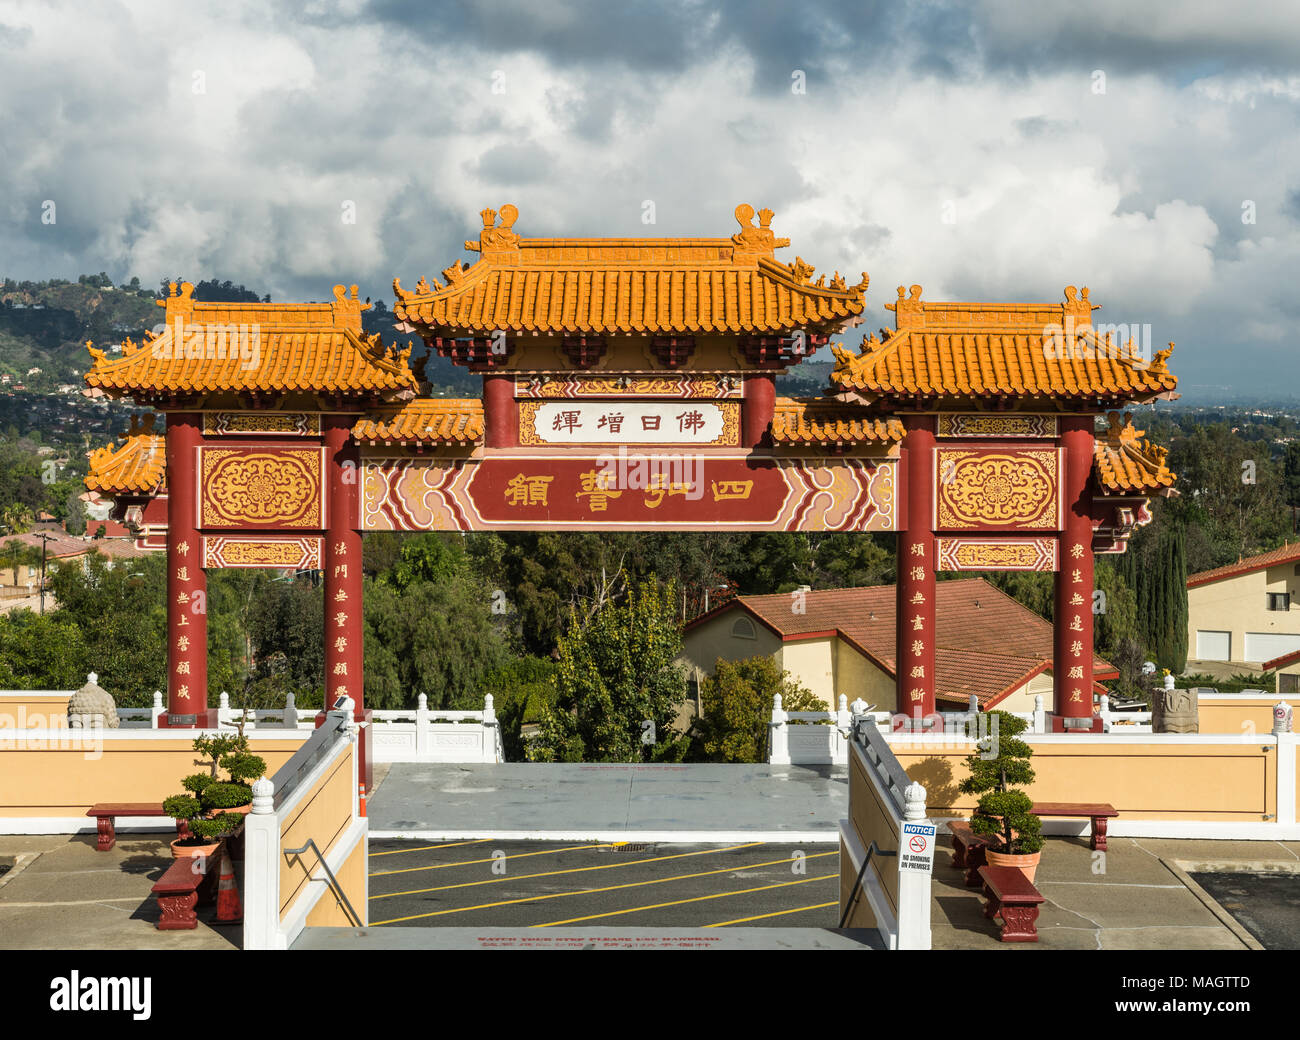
{"x": 361, "y": 800}
{"x": 229, "y": 908}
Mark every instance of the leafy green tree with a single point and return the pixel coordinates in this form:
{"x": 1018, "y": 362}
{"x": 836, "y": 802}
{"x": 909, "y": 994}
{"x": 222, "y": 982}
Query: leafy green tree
{"x": 121, "y": 614}
{"x": 440, "y": 639}
{"x": 1001, "y": 763}
{"x": 737, "y": 703}
{"x": 41, "y": 652}
{"x": 617, "y": 672}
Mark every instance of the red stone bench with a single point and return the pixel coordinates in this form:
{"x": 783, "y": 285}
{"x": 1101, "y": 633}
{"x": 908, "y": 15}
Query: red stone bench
{"x": 968, "y": 850}
{"x": 106, "y": 812}
{"x": 1099, "y": 812}
{"x": 187, "y": 882}
{"x": 1012, "y": 897}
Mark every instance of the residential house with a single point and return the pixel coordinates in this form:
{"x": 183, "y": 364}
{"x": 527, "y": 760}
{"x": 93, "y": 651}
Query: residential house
{"x": 1245, "y": 617}
{"x": 842, "y": 642}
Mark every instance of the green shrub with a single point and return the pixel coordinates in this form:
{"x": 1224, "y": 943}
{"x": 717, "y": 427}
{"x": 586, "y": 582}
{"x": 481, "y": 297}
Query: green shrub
{"x": 242, "y": 766}
{"x": 737, "y": 707}
{"x": 196, "y": 783}
{"x": 215, "y": 827}
{"x": 182, "y": 807}
{"x": 227, "y": 796}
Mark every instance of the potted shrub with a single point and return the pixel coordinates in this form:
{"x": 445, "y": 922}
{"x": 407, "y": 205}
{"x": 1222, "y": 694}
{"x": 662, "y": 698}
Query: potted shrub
{"x": 204, "y": 833}
{"x": 1004, "y": 813}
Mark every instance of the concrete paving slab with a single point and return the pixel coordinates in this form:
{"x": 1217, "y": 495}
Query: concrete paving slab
{"x": 587, "y": 939}
{"x": 610, "y": 802}
{"x": 70, "y": 896}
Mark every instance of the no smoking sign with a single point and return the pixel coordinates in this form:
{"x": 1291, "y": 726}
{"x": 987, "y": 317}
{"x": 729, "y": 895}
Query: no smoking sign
{"x": 917, "y": 852}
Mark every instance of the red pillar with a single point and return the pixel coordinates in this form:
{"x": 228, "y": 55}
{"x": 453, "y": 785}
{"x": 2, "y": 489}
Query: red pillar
{"x": 500, "y": 413}
{"x": 914, "y": 654}
{"x": 343, "y": 597}
{"x": 759, "y": 406}
{"x": 1072, "y": 616}
{"x": 187, "y": 582}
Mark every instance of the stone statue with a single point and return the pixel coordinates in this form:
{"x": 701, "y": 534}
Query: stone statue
{"x": 1174, "y": 710}
{"x": 92, "y": 706}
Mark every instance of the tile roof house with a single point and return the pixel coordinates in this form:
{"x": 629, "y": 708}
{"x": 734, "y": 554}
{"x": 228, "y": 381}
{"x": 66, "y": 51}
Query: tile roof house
{"x": 1245, "y": 616}
{"x": 843, "y": 641}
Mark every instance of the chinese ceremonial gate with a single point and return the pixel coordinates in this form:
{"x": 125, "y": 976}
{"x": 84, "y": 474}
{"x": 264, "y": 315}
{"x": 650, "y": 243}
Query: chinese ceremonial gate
{"x": 630, "y": 384}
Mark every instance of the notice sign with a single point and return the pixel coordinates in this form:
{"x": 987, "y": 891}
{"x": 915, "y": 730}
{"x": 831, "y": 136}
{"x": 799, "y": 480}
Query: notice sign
{"x": 917, "y": 851}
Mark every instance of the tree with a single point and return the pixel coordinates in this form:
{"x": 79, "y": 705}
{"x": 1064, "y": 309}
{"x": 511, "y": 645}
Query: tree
{"x": 1291, "y": 480}
{"x": 737, "y": 703}
{"x": 617, "y": 672}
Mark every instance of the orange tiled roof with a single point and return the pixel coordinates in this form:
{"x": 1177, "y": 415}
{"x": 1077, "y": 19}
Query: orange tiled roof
{"x": 994, "y": 349}
{"x": 1125, "y": 462}
{"x": 255, "y": 347}
{"x": 427, "y": 420}
{"x": 629, "y": 285}
{"x": 1289, "y": 553}
{"x": 986, "y": 643}
{"x": 816, "y": 421}
{"x": 136, "y": 467}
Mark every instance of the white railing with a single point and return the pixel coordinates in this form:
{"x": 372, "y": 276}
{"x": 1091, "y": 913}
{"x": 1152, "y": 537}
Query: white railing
{"x": 422, "y": 735}
{"x": 809, "y": 737}
{"x": 437, "y": 736}
{"x": 1125, "y": 721}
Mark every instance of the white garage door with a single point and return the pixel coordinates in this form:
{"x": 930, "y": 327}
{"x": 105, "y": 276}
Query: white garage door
{"x": 1264, "y": 646}
{"x": 1213, "y": 646}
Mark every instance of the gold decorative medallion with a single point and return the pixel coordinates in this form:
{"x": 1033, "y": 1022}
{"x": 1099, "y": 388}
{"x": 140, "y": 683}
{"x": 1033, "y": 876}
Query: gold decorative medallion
{"x": 251, "y": 487}
{"x": 977, "y": 490}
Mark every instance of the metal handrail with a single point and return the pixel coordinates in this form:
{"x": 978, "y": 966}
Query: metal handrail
{"x": 857, "y": 884}
{"x": 334, "y": 882}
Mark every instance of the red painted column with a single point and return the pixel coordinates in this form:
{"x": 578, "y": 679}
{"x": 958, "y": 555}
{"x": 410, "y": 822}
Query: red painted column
{"x": 187, "y": 582}
{"x": 914, "y": 654}
{"x": 500, "y": 412}
{"x": 344, "y": 675}
{"x": 759, "y": 406}
{"x": 1072, "y": 616}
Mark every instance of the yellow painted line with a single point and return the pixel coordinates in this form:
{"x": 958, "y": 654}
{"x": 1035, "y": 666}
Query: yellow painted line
{"x": 693, "y": 899}
{"x": 425, "y": 848}
{"x": 587, "y": 891}
{"x": 778, "y": 913}
{"x": 490, "y": 859}
{"x": 568, "y": 870}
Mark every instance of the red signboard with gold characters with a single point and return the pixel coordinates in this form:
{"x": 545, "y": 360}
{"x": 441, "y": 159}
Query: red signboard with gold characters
{"x": 997, "y": 489}
{"x": 261, "y": 487}
{"x": 629, "y": 490}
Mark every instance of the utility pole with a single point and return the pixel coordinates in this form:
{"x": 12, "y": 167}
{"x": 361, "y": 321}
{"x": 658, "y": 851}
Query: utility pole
{"x": 45, "y": 539}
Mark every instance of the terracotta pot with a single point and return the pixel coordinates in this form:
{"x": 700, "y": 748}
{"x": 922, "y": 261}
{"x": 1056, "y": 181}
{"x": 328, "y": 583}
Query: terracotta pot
{"x": 180, "y": 851}
{"x": 1027, "y": 864}
{"x": 238, "y": 810}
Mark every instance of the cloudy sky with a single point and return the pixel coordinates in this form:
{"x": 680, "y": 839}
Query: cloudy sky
{"x": 994, "y": 151}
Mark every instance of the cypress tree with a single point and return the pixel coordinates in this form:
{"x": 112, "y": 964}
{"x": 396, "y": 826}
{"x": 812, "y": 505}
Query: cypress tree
{"x": 1178, "y": 601}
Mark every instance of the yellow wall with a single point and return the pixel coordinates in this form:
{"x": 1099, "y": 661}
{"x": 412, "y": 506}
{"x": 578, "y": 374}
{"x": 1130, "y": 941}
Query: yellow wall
{"x": 1240, "y": 605}
{"x": 66, "y": 781}
{"x": 323, "y": 814}
{"x": 857, "y": 676}
{"x": 811, "y": 662}
{"x": 1157, "y": 780}
{"x": 1248, "y": 715}
{"x": 39, "y": 708}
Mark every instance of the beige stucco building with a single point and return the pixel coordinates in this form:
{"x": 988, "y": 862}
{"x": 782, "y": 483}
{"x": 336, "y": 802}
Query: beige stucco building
{"x": 842, "y": 642}
{"x": 1245, "y": 617}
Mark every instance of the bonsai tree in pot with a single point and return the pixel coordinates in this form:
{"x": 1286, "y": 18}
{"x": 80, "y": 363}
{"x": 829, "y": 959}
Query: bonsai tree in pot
{"x": 1004, "y": 813}
{"x": 203, "y": 834}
